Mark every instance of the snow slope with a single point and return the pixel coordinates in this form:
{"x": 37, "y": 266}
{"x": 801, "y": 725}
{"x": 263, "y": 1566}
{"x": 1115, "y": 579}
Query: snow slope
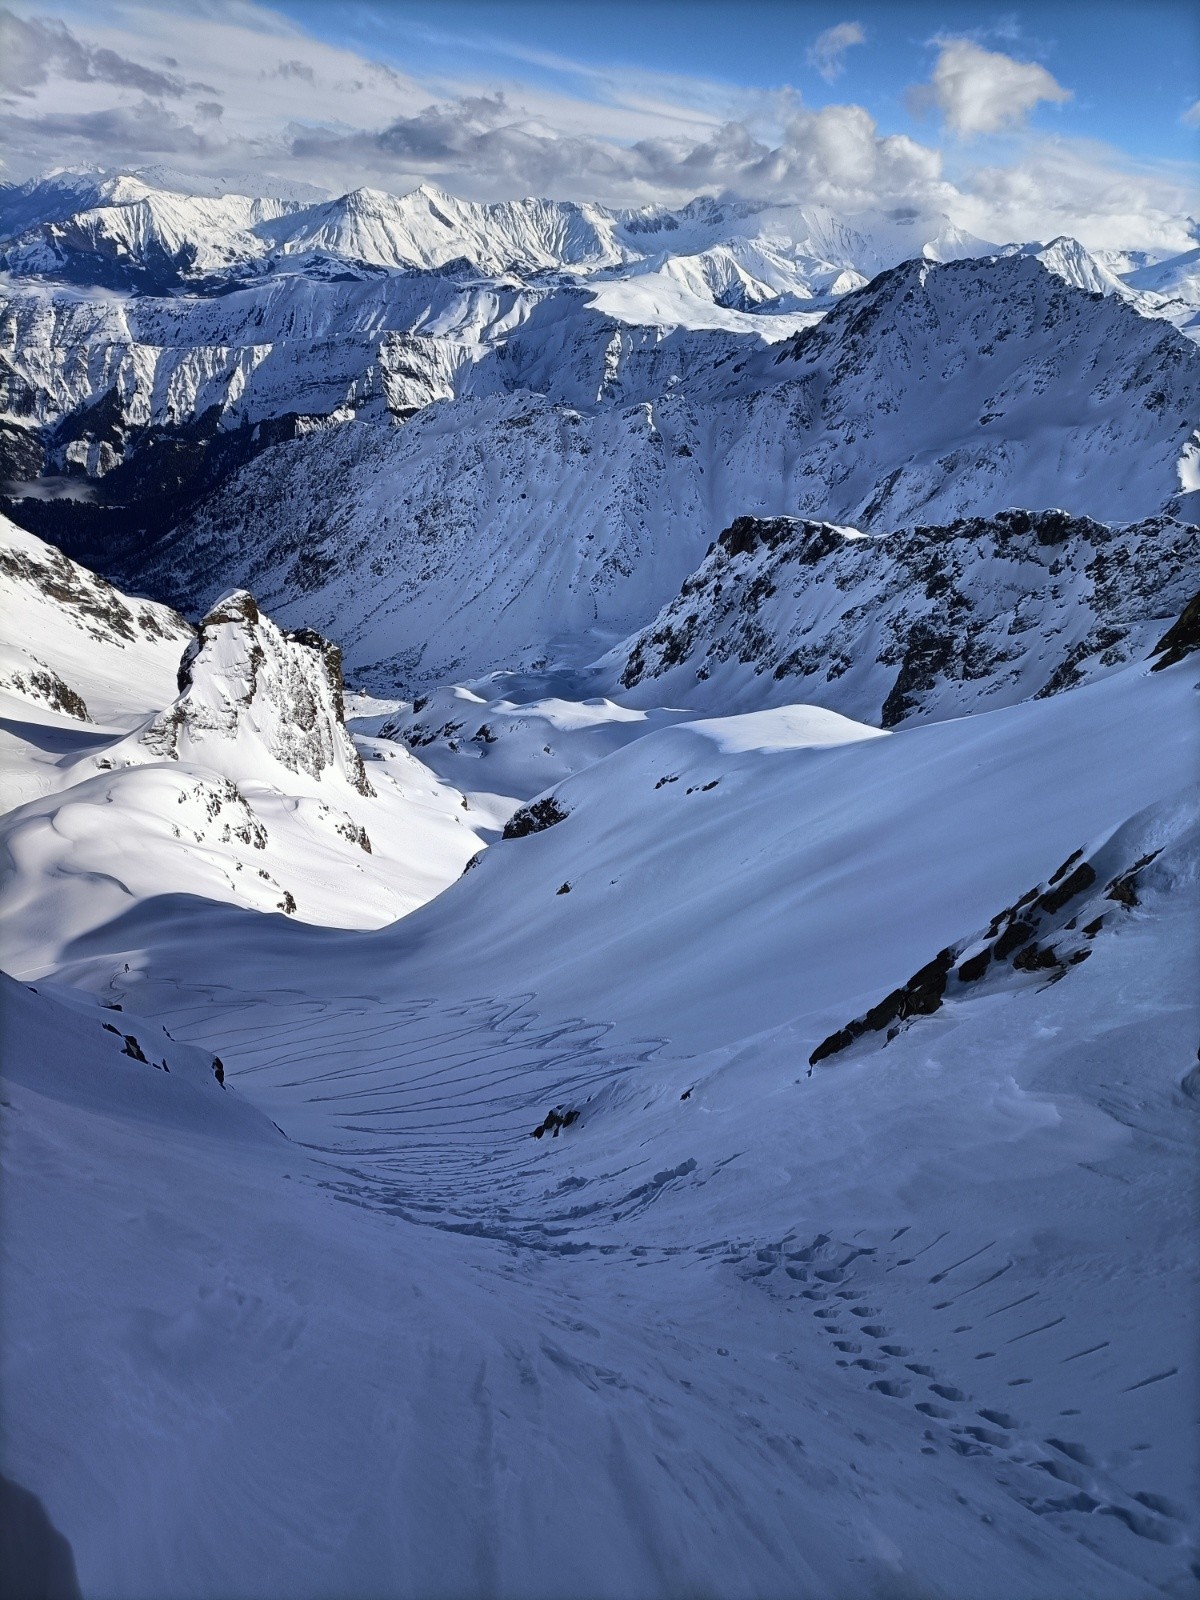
{"x": 114, "y": 654}
{"x": 243, "y": 785}
{"x": 556, "y": 1136}
{"x": 741, "y": 1327}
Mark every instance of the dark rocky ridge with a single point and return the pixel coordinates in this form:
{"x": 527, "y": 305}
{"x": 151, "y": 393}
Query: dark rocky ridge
{"x": 924, "y": 622}
{"x": 1044, "y": 933}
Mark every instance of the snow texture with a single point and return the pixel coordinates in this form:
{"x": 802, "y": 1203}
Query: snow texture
{"x": 680, "y": 1077}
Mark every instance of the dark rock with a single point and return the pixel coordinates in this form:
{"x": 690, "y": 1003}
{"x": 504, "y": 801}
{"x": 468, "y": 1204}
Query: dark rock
{"x": 35, "y": 1558}
{"x": 1065, "y": 868}
{"x": 831, "y": 1046}
{"x": 971, "y": 971}
{"x": 1014, "y": 936}
{"x": 1055, "y": 899}
{"x": 1123, "y": 889}
{"x": 534, "y": 818}
{"x": 927, "y": 655}
{"x": 555, "y": 1119}
{"x": 1181, "y": 639}
{"x": 1031, "y": 959}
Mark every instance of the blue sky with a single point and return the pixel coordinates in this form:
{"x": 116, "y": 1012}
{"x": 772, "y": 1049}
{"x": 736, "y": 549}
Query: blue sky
{"x": 1011, "y": 124}
{"x": 1133, "y": 69}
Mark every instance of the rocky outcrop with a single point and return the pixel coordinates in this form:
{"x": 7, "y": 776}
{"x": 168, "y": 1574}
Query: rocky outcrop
{"x": 1044, "y": 933}
{"x": 923, "y": 623}
{"x": 534, "y": 818}
{"x": 88, "y": 600}
{"x": 1181, "y": 639}
{"x": 70, "y": 642}
{"x": 252, "y": 697}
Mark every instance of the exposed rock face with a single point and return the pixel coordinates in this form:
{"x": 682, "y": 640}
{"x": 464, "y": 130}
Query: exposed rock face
{"x": 1181, "y": 639}
{"x": 924, "y": 623}
{"x": 86, "y": 599}
{"x": 251, "y": 696}
{"x": 1041, "y": 936}
{"x": 534, "y": 818}
{"x": 43, "y": 685}
{"x": 69, "y": 638}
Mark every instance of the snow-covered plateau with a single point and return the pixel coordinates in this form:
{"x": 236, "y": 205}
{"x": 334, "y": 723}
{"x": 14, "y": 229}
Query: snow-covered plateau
{"x": 599, "y": 903}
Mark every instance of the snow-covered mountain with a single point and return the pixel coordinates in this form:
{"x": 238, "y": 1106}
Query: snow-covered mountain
{"x": 126, "y": 228}
{"x": 143, "y": 757}
{"x": 704, "y": 1009}
{"x": 921, "y": 623}
{"x": 530, "y": 527}
{"x": 152, "y": 341}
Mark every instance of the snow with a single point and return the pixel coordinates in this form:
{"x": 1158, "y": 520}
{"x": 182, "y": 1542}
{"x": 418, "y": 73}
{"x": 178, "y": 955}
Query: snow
{"x": 527, "y": 528}
{"x": 918, "y": 623}
{"x": 684, "y": 1343}
{"x": 785, "y": 728}
{"x": 119, "y": 655}
{"x": 395, "y": 1207}
{"x": 240, "y": 785}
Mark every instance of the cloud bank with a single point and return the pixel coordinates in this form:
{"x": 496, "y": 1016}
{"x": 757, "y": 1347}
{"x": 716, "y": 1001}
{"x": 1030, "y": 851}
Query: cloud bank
{"x": 263, "y": 105}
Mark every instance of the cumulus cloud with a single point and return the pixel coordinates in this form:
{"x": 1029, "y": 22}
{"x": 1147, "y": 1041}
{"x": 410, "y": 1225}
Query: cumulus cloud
{"x": 982, "y": 91}
{"x": 35, "y": 49}
{"x": 827, "y": 53}
{"x": 1085, "y": 190}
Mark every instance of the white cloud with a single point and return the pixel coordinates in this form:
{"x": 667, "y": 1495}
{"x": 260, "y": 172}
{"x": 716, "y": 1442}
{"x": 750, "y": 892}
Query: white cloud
{"x": 982, "y": 91}
{"x": 1191, "y": 117}
{"x": 1083, "y": 189}
{"x": 232, "y": 93}
{"x": 828, "y": 50}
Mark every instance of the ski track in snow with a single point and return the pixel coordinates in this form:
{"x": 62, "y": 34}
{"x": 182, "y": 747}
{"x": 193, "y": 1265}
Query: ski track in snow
{"x": 423, "y": 1111}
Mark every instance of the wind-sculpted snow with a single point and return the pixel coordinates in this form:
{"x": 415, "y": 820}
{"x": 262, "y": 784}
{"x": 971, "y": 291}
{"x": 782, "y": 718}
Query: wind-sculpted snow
{"x": 557, "y": 1135}
{"x": 925, "y": 622}
{"x": 776, "y": 1318}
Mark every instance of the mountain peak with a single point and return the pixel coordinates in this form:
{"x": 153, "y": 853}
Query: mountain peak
{"x": 252, "y": 698}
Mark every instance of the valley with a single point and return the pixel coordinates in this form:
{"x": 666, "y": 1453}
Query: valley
{"x": 599, "y": 906}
